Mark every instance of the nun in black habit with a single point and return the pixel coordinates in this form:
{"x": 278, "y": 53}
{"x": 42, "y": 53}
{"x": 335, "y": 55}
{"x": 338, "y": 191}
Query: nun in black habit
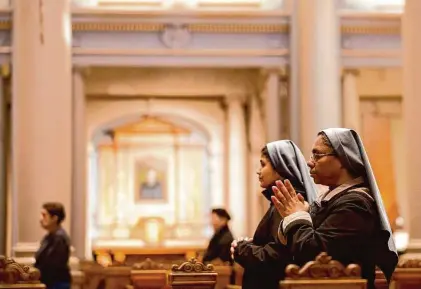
{"x": 349, "y": 221}
{"x": 264, "y": 258}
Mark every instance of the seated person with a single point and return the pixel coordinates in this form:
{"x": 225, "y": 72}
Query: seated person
{"x": 220, "y": 243}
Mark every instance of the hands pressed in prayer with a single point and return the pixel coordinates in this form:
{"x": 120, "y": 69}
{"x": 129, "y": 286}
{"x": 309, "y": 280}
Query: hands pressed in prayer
{"x": 235, "y": 243}
{"x": 286, "y": 200}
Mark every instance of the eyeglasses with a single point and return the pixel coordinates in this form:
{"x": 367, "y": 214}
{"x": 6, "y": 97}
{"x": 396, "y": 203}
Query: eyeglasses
{"x": 316, "y": 157}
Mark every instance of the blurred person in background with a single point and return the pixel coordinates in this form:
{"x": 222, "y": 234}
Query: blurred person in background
{"x": 52, "y": 257}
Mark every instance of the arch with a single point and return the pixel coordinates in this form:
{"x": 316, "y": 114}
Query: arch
{"x": 177, "y": 119}
{"x": 206, "y": 117}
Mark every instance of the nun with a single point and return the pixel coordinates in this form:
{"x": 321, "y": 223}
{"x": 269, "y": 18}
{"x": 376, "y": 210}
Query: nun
{"x": 264, "y": 258}
{"x": 349, "y": 221}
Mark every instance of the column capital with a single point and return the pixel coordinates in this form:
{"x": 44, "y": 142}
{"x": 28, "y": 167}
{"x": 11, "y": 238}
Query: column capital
{"x": 280, "y": 71}
{"x": 83, "y": 71}
{"x": 232, "y": 98}
{"x": 355, "y": 72}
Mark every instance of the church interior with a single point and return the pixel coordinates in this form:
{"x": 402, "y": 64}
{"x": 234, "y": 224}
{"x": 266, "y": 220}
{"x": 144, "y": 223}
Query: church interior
{"x": 141, "y": 116}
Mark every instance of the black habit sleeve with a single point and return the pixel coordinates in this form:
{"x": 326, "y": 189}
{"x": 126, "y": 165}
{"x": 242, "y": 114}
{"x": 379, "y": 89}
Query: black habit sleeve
{"x": 249, "y": 255}
{"x": 350, "y": 219}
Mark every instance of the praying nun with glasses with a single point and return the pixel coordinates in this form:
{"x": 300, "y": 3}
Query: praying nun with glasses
{"x": 349, "y": 221}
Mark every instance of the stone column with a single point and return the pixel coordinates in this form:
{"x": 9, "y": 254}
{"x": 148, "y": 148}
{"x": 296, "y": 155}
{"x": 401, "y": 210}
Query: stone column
{"x": 237, "y": 164}
{"x": 3, "y": 167}
{"x": 315, "y": 68}
{"x": 41, "y": 114}
{"x": 79, "y": 228}
{"x": 216, "y": 176}
{"x": 351, "y": 100}
{"x": 272, "y": 106}
{"x": 411, "y": 21}
{"x": 257, "y": 139}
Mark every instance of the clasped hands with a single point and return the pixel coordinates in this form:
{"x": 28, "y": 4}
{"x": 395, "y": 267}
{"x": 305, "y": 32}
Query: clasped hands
{"x": 234, "y": 244}
{"x": 286, "y": 199}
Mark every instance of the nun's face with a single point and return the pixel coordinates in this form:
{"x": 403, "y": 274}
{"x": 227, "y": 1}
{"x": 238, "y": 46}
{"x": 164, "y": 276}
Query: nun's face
{"x": 325, "y": 168}
{"x": 267, "y": 174}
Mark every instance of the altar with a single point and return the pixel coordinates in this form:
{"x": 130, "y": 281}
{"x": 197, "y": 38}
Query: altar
{"x": 136, "y": 251}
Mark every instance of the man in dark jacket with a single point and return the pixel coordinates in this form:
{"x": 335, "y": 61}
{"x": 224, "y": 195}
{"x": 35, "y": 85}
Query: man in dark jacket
{"x": 219, "y": 245}
{"x": 52, "y": 257}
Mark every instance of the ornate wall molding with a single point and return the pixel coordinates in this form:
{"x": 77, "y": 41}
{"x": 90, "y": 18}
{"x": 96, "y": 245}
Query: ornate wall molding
{"x": 180, "y": 38}
{"x": 192, "y": 27}
{"x": 370, "y": 30}
{"x": 176, "y": 36}
{"x": 370, "y": 39}
{"x": 245, "y": 14}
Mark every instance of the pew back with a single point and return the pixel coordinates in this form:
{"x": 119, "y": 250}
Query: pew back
{"x": 149, "y": 275}
{"x": 407, "y": 275}
{"x": 18, "y": 276}
{"x": 323, "y": 273}
{"x": 192, "y": 275}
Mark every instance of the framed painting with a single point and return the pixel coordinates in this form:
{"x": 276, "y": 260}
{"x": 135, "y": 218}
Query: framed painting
{"x": 150, "y": 181}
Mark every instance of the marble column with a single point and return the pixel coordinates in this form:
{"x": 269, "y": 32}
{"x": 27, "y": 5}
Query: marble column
{"x": 272, "y": 106}
{"x": 411, "y": 21}
{"x": 3, "y": 167}
{"x": 216, "y": 175}
{"x": 79, "y": 226}
{"x": 237, "y": 164}
{"x": 41, "y": 115}
{"x": 351, "y": 100}
{"x": 315, "y": 66}
{"x": 257, "y": 139}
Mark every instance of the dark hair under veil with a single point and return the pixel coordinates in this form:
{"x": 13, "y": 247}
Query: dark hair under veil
{"x": 350, "y": 151}
{"x": 288, "y": 161}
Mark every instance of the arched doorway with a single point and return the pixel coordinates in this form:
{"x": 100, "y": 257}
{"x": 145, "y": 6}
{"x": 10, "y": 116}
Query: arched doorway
{"x": 149, "y": 182}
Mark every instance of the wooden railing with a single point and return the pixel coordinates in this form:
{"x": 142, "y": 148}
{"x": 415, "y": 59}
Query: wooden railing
{"x": 14, "y": 275}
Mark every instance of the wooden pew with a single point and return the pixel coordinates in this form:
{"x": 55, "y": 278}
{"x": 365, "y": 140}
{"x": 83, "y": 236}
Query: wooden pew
{"x": 239, "y": 271}
{"x": 17, "y": 276}
{"x": 149, "y": 275}
{"x": 323, "y": 273}
{"x": 224, "y": 271}
{"x": 117, "y": 277}
{"x": 78, "y": 279}
{"x": 192, "y": 275}
{"x": 407, "y": 275}
{"x": 113, "y": 276}
{"x": 94, "y": 275}
{"x": 380, "y": 282}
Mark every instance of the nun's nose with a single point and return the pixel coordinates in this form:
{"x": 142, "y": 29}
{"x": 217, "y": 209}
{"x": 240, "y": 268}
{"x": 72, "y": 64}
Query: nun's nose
{"x": 310, "y": 164}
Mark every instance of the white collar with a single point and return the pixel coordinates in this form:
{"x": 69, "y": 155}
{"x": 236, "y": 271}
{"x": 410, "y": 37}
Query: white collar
{"x": 330, "y": 194}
